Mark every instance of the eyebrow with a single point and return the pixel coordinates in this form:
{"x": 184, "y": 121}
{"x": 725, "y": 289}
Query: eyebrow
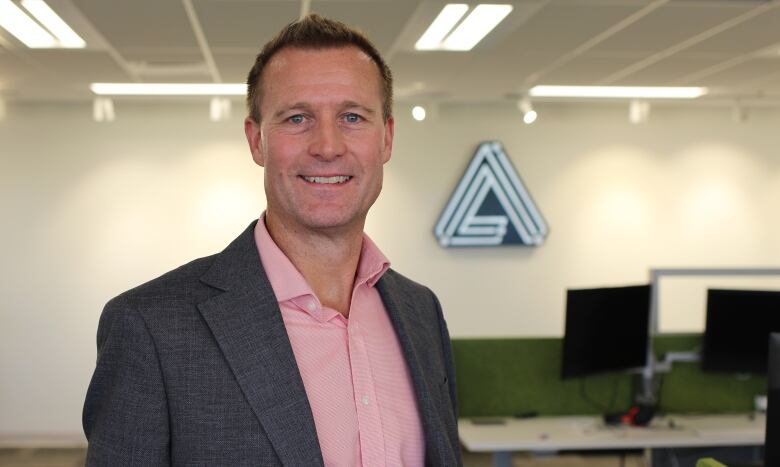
{"x": 353, "y": 104}
{"x": 306, "y": 106}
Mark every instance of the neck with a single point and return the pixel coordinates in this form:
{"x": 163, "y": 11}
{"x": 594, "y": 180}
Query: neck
{"x": 327, "y": 260}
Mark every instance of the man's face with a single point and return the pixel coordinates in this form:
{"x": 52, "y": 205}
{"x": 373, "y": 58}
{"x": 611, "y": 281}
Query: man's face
{"x": 321, "y": 138}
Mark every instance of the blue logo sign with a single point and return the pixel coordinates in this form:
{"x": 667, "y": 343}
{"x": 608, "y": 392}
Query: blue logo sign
{"x": 490, "y": 205}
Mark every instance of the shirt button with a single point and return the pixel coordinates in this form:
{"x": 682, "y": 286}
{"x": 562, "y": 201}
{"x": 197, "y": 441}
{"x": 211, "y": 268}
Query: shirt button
{"x": 364, "y": 400}
{"x": 311, "y": 306}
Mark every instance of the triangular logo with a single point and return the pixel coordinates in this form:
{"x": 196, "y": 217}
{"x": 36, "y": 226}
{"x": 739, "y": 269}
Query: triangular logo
{"x": 490, "y": 205}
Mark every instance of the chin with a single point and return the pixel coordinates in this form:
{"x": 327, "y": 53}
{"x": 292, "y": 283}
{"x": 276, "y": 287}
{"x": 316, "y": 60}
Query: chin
{"x": 330, "y": 220}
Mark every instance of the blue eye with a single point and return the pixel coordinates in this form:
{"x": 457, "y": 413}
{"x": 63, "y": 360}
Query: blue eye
{"x": 297, "y": 119}
{"x": 352, "y": 118}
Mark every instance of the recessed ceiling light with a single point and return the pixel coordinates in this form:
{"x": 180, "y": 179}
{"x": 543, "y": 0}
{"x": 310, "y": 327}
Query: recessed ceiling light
{"x": 29, "y": 33}
{"x": 482, "y": 19}
{"x": 476, "y": 26}
{"x": 443, "y": 24}
{"x": 66, "y": 37}
{"x": 169, "y": 89}
{"x": 629, "y": 92}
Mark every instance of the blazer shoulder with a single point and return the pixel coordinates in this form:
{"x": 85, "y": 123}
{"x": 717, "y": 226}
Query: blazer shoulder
{"x": 181, "y": 282}
{"x": 406, "y": 285}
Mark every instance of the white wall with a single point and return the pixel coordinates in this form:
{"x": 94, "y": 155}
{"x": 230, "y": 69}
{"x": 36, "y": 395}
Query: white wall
{"x": 90, "y": 210}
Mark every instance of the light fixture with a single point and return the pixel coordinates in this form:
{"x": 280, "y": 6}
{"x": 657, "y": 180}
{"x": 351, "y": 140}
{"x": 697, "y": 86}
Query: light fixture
{"x": 482, "y": 19}
{"x": 29, "y": 33}
{"x": 103, "y": 109}
{"x": 638, "y": 111}
{"x": 630, "y": 92}
{"x": 476, "y": 26}
{"x": 66, "y": 36}
{"x": 447, "y": 19}
{"x": 219, "y": 109}
{"x": 529, "y": 114}
{"x": 418, "y": 113}
{"x": 169, "y": 89}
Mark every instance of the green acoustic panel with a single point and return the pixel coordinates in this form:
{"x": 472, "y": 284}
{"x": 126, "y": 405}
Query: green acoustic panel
{"x": 504, "y": 377}
{"x": 515, "y": 376}
{"x": 688, "y": 389}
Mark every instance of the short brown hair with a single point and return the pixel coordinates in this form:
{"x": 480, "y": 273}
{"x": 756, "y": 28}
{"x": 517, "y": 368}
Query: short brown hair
{"x": 315, "y": 32}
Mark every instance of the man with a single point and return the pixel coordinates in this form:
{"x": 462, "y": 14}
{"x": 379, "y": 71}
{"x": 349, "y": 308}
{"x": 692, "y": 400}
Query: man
{"x": 296, "y": 345}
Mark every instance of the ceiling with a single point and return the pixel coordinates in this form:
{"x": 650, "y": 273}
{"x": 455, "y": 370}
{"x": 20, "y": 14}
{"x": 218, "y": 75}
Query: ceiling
{"x": 730, "y": 46}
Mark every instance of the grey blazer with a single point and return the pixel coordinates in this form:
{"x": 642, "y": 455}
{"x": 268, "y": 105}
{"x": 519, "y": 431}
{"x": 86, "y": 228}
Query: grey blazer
{"x": 195, "y": 368}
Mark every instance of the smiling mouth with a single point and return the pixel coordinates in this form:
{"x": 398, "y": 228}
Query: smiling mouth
{"x": 338, "y": 179}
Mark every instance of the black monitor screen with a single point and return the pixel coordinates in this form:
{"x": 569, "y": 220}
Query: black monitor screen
{"x": 737, "y": 330}
{"x": 772, "y": 441}
{"x": 606, "y": 330}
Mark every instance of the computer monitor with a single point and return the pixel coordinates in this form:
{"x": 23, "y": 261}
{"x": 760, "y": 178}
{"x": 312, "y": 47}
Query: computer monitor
{"x": 606, "y": 330}
{"x": 737, "y": 330}
{"x": 772, "y": 441}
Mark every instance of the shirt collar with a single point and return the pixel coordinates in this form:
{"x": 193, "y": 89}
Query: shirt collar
{"x": 288, "y": 283}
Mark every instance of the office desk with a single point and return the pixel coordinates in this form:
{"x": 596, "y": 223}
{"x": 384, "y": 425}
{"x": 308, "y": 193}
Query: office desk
{"x": 551, "y": 434}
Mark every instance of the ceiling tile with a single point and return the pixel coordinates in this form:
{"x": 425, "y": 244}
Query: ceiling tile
{"x": 67, "y": 65}
{"x": 234, "y": 67}
{"x": 381, "y": 20}
{"x": 752, "y": 70}
{"x": 587, "y": 69}
{"x": 668, "y": 71}
{"x": 150, "y": 23}
{"x": 561, "y": 28}
{"x": 244, "y": 23}
{"x": 752, "y": 35}
{"x": 678, "y": 22}
{"x": 457, "y": 76}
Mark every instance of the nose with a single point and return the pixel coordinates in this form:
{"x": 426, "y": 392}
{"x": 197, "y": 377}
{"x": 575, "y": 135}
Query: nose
{"x": 327, "y": 142}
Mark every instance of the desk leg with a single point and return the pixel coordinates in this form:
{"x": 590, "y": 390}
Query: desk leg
{"x": 502, "y": 459}
{"x": 648, "y": 457}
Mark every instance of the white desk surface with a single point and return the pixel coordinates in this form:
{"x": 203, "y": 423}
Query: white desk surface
{"x": 590, "y": 432}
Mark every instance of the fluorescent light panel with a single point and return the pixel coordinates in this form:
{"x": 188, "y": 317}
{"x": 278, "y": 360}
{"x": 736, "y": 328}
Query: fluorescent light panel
{"x": 66, "y": 37}
{"x": 437, "y": 31}
{"x": 30, "y": 33}
{"x": 169, "y": 89}
{"x": 630, "y": 92}
{"x": 476, "y": 26}
{"x": 481, "y": 20}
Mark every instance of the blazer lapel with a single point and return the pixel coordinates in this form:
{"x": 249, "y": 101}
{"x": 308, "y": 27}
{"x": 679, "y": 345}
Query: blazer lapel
{"x": 247, "y": 325}
{"x": 415, "y": 335}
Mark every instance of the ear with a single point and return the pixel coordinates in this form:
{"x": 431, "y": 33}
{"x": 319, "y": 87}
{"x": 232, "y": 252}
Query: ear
{"x": 254, "y": 138}
{"x": 387, "y": 144}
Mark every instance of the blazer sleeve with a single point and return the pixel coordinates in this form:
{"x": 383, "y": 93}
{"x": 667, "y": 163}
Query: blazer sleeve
{"x": 449, "y": 364}
{"x": 125, "y": 414}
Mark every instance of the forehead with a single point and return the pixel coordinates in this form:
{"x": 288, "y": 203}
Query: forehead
{"x": 302, "y": 70}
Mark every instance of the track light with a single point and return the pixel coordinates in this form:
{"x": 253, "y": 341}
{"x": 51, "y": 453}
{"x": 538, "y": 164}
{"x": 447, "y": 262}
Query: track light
{"x": 529, "y": 114}
{"x": 103, "y": 109}
{"x": 219, "y": 109}
{"x": 638, "y": 111}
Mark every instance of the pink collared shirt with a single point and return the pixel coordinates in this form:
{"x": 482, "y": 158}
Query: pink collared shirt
{"x": 353, "y": 370}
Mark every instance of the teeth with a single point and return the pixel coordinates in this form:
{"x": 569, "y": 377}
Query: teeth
{"x": 336, "y": 179}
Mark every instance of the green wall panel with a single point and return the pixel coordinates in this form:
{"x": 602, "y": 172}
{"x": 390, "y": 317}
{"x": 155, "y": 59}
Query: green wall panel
{"x": 505, "y": 377}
